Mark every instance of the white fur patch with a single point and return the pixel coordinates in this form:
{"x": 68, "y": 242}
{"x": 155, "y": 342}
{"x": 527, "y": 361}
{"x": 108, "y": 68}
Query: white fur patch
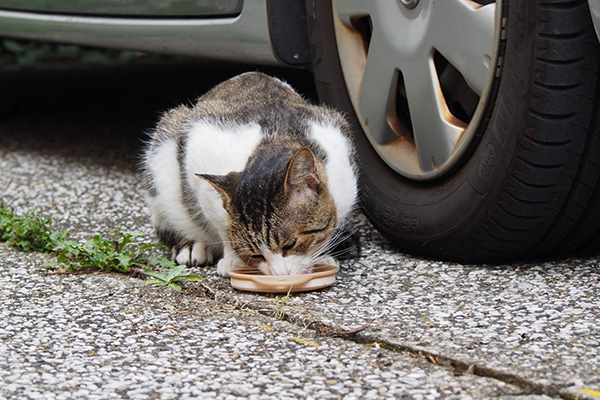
{"x": 276, "y": 264}
{"x": 213, "y": 150}
{"x": 341, "y": 178}
{"x": 218, "y": 151}
{"x": 164, "y": 166}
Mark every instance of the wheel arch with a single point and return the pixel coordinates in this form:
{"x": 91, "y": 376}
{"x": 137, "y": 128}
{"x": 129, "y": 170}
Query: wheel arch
{"x": 288, "y": 32}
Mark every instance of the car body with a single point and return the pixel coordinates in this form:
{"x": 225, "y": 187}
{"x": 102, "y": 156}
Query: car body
{"x": 236, "y": 30}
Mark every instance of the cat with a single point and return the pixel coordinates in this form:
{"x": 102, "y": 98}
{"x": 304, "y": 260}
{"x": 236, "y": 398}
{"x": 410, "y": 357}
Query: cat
{"x": 253, "y": 175}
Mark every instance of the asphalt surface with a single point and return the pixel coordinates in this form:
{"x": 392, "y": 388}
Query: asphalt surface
{"x": 392, "y": 326}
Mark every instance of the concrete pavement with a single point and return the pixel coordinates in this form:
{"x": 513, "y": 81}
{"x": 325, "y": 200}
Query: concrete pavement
{"x": 393, "y": 326}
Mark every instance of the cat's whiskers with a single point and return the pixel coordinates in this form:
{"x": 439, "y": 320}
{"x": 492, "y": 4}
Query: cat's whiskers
{"x": 318, "y": 252}
{"x": 325, "y": 248}
{"x": 340, "y": 253}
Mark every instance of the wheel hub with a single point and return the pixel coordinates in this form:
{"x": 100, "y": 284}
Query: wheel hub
{"x": 410, "y": 4}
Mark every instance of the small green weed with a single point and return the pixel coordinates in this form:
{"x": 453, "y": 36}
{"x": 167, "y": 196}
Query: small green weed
{"x": 280, "y": 305}
{"x": 120, "y": 253}
{"x": 171, "y": 277}
{"x": 29, "y": 232}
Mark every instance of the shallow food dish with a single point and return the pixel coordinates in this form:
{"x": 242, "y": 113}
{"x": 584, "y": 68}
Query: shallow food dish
{"x": 250, "y": 279}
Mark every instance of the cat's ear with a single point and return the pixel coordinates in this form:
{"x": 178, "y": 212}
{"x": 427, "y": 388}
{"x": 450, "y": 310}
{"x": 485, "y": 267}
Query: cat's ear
{"x": 224, "y": 184}
{"x": 301, "y": 174}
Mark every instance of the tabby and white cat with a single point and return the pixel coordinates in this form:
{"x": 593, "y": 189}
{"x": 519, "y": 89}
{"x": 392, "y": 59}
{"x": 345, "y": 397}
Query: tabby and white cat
{"x": 254, "y": 174}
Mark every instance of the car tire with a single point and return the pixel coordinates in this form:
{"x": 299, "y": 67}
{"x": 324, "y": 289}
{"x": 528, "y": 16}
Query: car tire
{"x": 525, "y": 182}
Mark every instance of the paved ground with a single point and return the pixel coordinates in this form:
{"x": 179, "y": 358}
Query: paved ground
{"x": 393, "y": 326}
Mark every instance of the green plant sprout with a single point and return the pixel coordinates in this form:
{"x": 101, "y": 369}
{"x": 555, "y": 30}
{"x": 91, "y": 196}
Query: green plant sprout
{"x": 29, "y": 232}
{"x": 120, "y": 253}
{"x": 115, "y": 254}
{"x": 280, "y": 305}
{"x": 171, "y": 277}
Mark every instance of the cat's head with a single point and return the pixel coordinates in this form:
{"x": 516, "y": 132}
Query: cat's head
{"x": 280, "y": 225}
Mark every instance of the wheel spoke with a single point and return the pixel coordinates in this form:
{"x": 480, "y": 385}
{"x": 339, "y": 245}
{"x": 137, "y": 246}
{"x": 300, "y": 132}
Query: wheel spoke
{"x": 464, "y": 34}
{"x": 377, "y": 89}
{"x": 435, "y": 130}
{"x": 347, "y": 9}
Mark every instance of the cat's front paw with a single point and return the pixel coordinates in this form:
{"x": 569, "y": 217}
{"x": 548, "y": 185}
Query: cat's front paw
{"x": 190, "y": 253}
{"x": 228, "y": 263}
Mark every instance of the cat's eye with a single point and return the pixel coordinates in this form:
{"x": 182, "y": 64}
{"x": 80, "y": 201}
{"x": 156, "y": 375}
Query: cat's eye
{"x": 288, "y": 246}
{"x": 257, "y": 258}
